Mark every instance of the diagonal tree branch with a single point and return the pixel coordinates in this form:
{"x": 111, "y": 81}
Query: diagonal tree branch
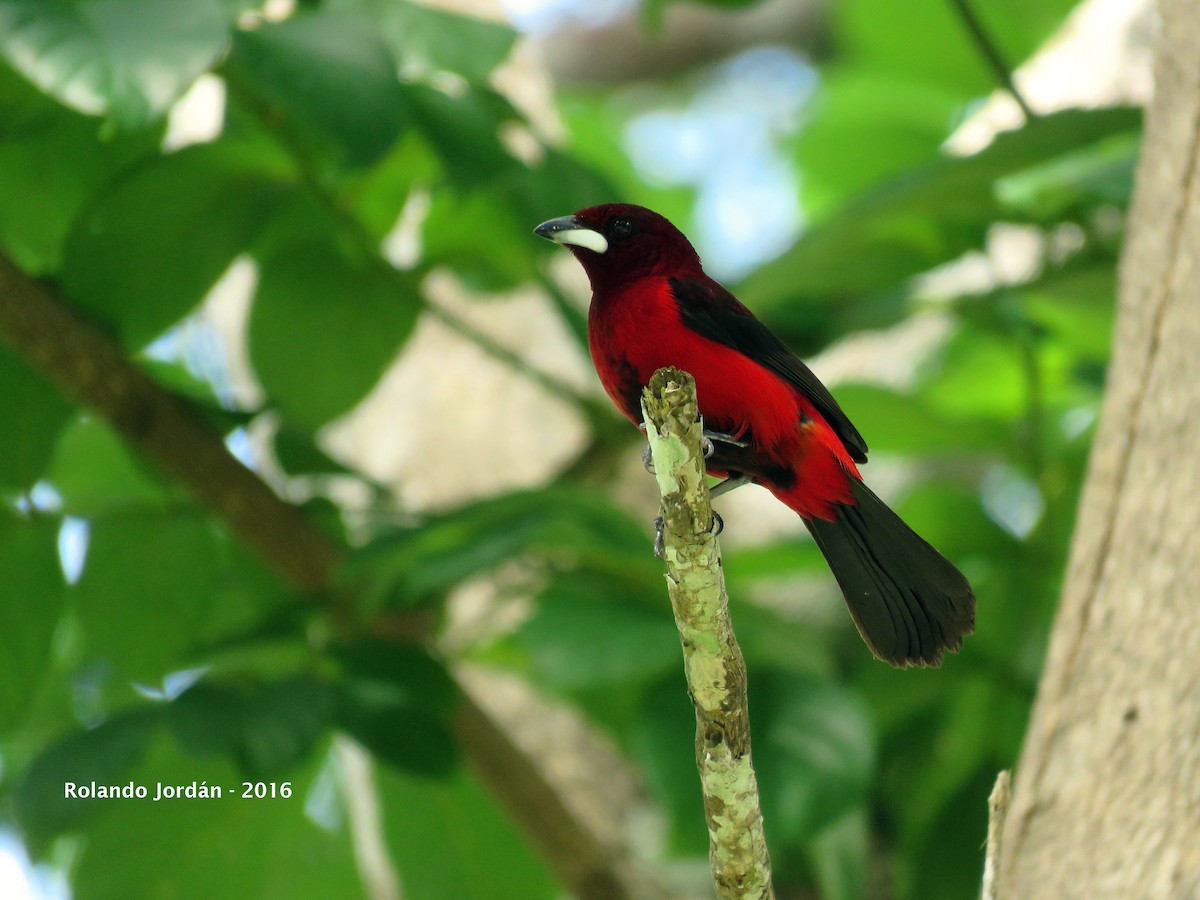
{"x": 715, "y": 670}
{"x": 91, "y": 369}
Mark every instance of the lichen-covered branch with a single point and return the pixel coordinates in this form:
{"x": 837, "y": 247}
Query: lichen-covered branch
{"x": 715, "y": 670}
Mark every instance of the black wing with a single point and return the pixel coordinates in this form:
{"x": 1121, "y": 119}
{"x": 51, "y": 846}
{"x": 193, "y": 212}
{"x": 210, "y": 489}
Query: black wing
{"x": 710, "y": 310}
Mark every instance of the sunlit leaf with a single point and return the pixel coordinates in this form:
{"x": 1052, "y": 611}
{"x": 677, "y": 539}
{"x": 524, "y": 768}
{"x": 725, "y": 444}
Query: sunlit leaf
{"x": 905, "y": 423}
{"x": 926, "y": 216}
{"x": 126, "y": 59}
{"x": 856, "y": 112}
{"x": 428, "y": 40}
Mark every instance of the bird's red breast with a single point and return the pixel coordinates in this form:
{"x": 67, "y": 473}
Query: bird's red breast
{"x": 635, "y": 329}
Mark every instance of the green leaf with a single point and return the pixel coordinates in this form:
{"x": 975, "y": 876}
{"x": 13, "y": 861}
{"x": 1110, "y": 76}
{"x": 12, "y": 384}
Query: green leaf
{"x": 32, "y": 595}
{"x": 841, "y": 857}
{"x": 324, "y": 326}
{"x": 297, "y": 453}
{"x": 34, "y": 414}
{"x": 429, "y": 821}
{"x": 209, "y": 718}
{"x": 902, "y": 79}
{"x": 273, "y": 848}
{"x": 929, "y": 41}
{"x": 406, "y": 668}
{"x": 397, "y": 731}
{"x": 395, "y": 701}
{"x": 500, "y": 255}
{"x": 464, "y": 130}
{"x": 923, "y": 42}
{"x": 662, "y": 741}
{"x": 1068, "y": 186}
{"x": 95, "y": 473}
{"x": 585, "y": 634}
{"x": 814, "y": 752}
{"x": 426, "y": 40}
{"x": 52, "y": 160}
{"x": 576, "y": 527}
{"x": 1077, "y": 306}
{"x": 106, "y": 755}
{"x": 904, "y": 423}
{"x": 976, "y": 373}
{"x": 924, "y": 217}
{"x": 267, "y": 726}
{"x": 283, "y": 722}
{"x": 596, "y": 124}
{"x": 382, "y": 191}
{"x": 126, "y": 59}
{"x": 150, "y": 248}
{"x": 858, "y": 110}
{"x": 327, "y": 75}
{"x": 493, "y": 257}
{"x": 147, "y": 586}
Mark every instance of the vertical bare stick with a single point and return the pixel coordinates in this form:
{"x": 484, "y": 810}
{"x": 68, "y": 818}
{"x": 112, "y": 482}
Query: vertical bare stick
{"x": 998, "y": 802}
{"x": 715, "y": 670}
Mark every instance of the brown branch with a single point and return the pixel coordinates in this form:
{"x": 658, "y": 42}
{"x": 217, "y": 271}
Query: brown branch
{"x": 91, "y": 369}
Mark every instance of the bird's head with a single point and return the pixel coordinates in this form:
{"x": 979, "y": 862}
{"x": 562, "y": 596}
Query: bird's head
{"x": 618, "y": 243}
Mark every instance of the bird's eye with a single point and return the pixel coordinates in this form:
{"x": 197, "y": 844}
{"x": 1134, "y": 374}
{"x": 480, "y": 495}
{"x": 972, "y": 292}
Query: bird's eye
{"x": 620, "y": 228}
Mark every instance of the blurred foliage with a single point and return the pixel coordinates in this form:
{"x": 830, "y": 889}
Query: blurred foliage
{"x": 171, "y": 656}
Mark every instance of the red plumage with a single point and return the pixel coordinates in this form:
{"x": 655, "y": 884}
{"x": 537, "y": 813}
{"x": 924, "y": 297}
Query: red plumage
{"x": 636, "y": 330}
{"x": 653, "y": 306}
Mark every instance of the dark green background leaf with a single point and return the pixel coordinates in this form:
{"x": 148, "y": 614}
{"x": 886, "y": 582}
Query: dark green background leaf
{"x": 141, "y": 274}
{"x": 324, "y": 325}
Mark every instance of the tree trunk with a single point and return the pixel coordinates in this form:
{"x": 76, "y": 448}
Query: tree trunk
{"x": 1107, "y": 795}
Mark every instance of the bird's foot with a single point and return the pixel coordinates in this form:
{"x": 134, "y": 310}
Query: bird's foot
{"x": 735, "y": 480}
{"x": 709, "y": 440}
{"x": 647, "y": 461}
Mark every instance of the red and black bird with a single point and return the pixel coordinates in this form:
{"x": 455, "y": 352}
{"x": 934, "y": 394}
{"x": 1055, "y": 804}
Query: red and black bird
{"x": 769, "y": 418}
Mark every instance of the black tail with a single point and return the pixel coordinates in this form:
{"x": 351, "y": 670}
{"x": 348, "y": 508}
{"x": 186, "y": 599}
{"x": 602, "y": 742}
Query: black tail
{"x": 909, "y": 603}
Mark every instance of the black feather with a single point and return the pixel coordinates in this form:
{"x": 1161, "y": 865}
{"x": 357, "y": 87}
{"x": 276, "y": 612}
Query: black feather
{"x": 909, "y": 602}
{"x": 710, "y": 310}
